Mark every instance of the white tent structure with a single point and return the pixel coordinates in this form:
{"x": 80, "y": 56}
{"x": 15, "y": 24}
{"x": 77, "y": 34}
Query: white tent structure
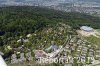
{"x": 2, "y": 62}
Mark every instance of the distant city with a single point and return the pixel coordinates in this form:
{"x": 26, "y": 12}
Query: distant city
{"x": 82, "y": 6}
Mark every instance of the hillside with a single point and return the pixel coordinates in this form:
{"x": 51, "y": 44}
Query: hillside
{"x": 24, "y": 29}
{"x": 26, "y": 19}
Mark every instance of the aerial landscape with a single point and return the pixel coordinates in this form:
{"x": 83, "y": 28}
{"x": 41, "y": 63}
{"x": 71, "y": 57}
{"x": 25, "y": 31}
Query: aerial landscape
{"x": 49, "y": 33}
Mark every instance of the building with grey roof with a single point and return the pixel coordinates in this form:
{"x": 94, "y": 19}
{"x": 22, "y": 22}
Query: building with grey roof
{"x": 87, "y": 29}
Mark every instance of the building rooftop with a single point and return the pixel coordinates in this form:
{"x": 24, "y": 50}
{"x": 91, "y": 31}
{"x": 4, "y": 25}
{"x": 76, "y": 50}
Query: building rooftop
{"x": 86, "y": 28}
{"x": 40, "y": 53}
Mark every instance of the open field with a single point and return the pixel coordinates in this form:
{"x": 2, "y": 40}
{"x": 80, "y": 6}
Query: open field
{"x": 93, "y": 39}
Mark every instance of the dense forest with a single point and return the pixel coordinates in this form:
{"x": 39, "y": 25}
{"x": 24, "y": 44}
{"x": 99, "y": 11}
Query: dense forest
{"x": 17, "y": 21}
{"x": 24, "y": 20}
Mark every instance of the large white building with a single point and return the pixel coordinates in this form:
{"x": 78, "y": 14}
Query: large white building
{"x": 87, "y": 29}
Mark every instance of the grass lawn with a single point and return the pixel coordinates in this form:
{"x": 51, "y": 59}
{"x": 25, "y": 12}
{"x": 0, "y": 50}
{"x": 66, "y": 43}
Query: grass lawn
{"x": 94, "y": 40}
{"x": 98, "y": 30}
